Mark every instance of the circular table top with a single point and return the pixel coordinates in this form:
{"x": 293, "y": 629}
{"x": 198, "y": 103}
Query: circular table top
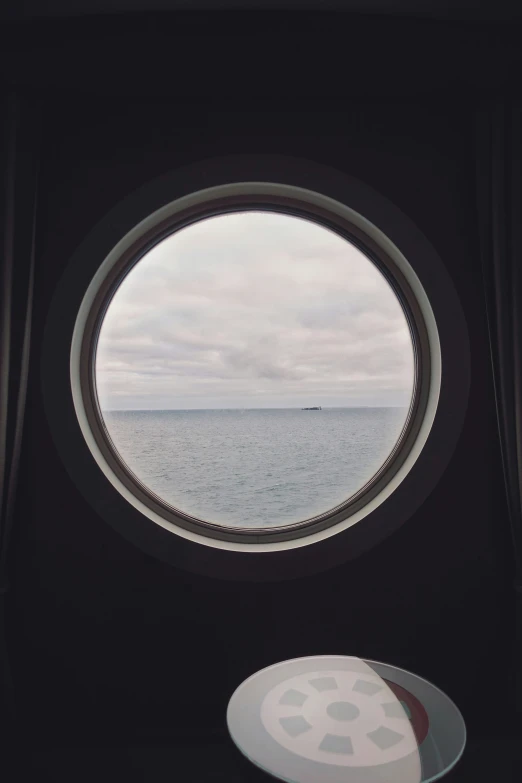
{"x": 338, "y": 719}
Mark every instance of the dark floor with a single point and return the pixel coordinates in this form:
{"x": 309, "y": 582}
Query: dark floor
{"x": 494, "y": 759}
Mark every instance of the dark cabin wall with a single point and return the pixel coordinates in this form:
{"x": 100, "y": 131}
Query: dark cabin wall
{"x": 108, "y": 643}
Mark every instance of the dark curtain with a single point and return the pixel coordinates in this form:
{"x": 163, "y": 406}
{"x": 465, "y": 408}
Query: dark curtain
{"x": 499, "y": 190}
{"x": 18, "y": 171}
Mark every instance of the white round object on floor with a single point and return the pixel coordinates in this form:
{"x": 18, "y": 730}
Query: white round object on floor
{"x": 337, "y": 719}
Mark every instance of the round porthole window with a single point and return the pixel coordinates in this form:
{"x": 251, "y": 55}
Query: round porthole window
{"x": 254, "y": 366}
{"x": 256, "y": 371}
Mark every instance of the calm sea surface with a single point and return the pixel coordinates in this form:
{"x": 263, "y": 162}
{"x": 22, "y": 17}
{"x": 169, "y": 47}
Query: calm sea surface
{"x": 254, "y": 468}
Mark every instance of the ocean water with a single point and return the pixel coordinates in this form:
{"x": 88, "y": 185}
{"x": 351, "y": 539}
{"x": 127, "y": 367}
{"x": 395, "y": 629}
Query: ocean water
{"x": 255, "y": 467}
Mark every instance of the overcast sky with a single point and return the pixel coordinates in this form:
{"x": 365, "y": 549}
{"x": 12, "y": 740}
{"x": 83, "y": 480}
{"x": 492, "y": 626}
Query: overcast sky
{"x": 254, "y": 310}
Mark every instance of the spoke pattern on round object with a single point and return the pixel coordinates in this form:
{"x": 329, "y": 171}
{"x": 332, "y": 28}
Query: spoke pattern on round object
{"x": 311, "y": 729}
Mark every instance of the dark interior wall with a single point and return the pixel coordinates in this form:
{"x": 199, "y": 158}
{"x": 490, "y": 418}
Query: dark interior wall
{"x": 108, "y": 642}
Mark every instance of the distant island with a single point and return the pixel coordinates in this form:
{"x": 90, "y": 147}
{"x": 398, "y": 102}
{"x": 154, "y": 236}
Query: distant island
{"x": 317, "y": 408}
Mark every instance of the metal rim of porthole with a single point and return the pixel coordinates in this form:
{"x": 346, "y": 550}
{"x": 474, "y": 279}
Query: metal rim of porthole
{"x": 211, "y": 206}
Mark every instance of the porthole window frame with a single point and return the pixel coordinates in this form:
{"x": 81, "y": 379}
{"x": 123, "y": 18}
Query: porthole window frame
{"x": 216, "y": 187}
{"x": 211, "y": 206}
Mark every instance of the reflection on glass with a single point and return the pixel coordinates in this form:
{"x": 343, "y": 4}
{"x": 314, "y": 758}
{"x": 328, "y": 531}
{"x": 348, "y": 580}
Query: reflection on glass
{"x": 254, "y": 369}
{"x": 309, "y": 719}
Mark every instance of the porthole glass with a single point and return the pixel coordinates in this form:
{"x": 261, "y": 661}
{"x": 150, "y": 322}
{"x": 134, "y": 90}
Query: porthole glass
{"x": 255, "y": 369}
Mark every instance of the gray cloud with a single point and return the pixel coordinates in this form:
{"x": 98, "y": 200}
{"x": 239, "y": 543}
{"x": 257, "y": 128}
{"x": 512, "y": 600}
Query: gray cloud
{"x": 254, "y": 310}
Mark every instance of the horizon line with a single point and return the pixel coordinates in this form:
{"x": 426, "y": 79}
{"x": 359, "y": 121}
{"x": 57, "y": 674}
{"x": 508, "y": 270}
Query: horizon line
{"x": 242, "y": 408}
